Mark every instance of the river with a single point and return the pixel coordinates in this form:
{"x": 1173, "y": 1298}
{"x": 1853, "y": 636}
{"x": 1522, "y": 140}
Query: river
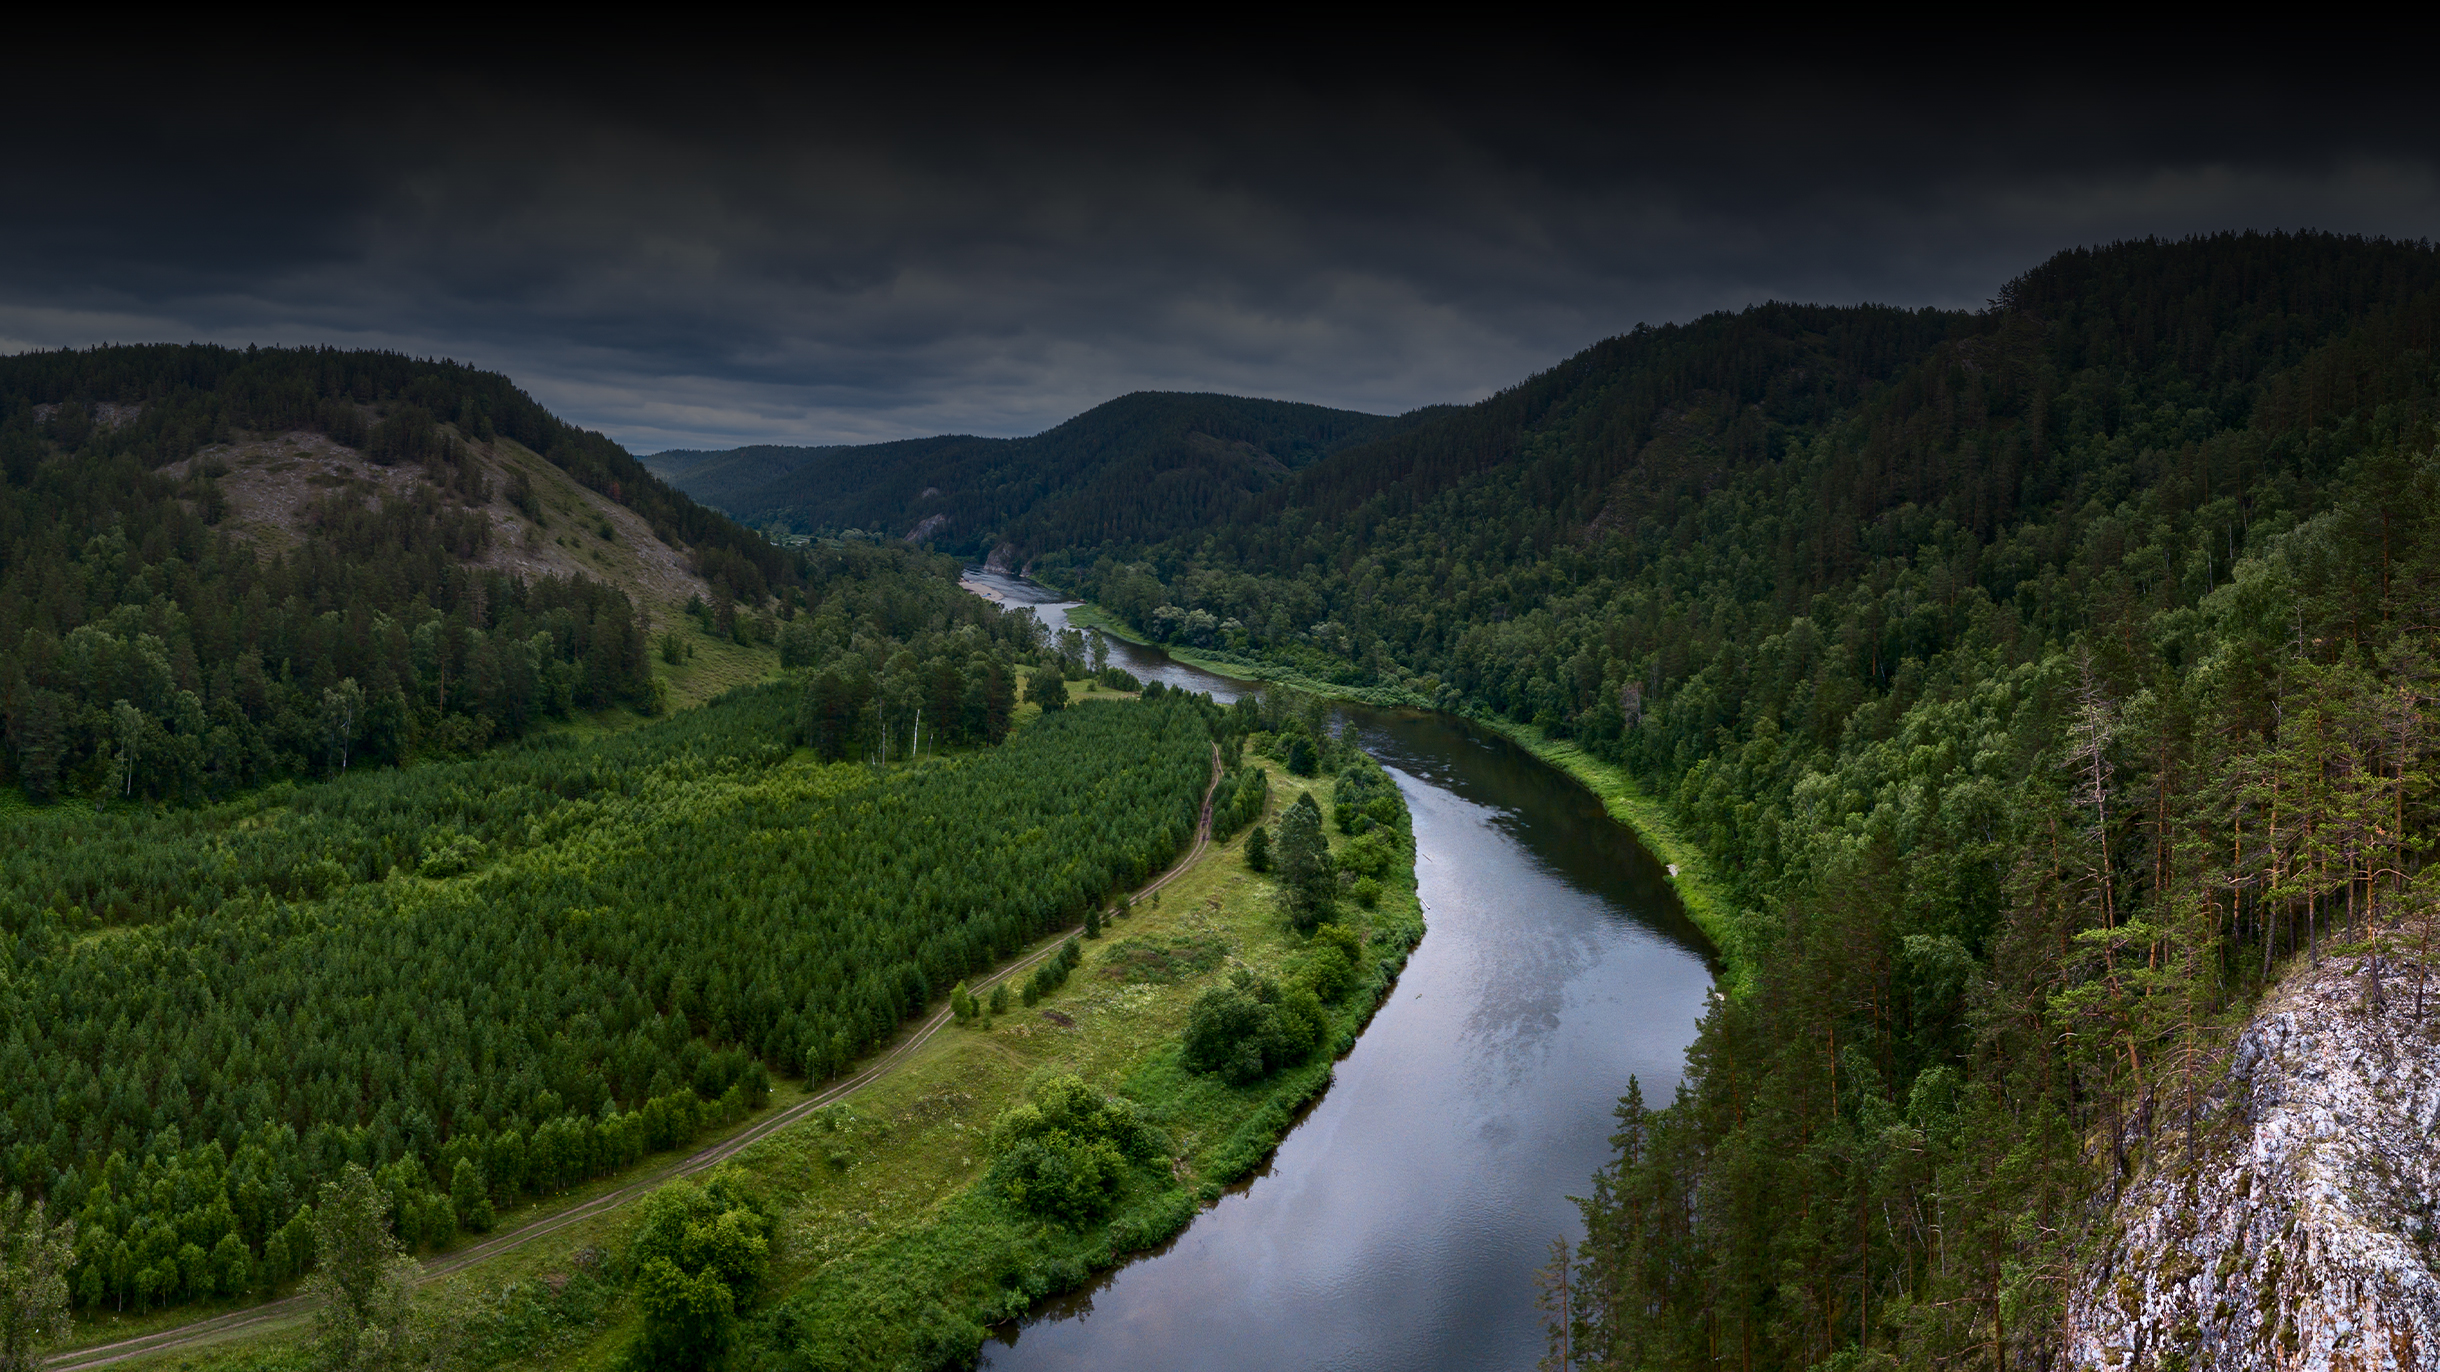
{"x": 1400, "y": 1222}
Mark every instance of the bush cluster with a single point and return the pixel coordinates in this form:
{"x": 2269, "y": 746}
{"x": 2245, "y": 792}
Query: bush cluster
{"x": 1065, "y": 1156}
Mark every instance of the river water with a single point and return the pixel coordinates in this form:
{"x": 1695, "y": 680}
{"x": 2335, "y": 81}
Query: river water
{"x": 1400, "y": 1222}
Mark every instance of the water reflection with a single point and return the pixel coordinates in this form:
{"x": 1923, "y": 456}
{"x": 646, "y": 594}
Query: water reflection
{"x": 1399, "y": 1224}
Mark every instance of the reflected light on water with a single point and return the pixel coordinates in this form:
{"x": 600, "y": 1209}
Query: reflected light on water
{"x": 1400, "y": 1222}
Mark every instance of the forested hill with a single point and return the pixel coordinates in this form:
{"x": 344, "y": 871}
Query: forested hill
{"x": 1141, "y": 468}
{"x": 222, "y": 567}
{"x": 2040, "y": 677}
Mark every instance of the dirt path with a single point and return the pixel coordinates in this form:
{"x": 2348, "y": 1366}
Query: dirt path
{"x": 291, "y": 1308}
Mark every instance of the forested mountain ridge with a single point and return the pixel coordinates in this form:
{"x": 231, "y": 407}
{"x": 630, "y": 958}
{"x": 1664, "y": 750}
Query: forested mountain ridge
{"x": 221, "y": 567}
{"x": 2040, "y": 677}
{"x": 1138, "y": 469}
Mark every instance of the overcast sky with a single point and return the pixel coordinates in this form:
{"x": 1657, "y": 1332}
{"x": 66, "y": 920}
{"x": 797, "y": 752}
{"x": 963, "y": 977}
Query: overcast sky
{"x": 844, "y": 255}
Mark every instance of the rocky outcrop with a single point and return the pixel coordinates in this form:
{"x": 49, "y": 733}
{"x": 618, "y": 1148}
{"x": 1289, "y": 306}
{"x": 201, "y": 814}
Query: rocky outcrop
{"x": 2301, "y": 1233}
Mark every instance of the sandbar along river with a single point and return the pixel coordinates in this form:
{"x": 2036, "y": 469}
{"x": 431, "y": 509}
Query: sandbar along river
{"x": 1400, "y": 1222}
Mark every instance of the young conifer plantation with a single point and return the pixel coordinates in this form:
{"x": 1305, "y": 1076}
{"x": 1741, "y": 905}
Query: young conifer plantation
{"x": 589, "y": 952}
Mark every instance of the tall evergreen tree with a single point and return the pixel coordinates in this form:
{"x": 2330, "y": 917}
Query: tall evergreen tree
{"x": 1308, "y": 883}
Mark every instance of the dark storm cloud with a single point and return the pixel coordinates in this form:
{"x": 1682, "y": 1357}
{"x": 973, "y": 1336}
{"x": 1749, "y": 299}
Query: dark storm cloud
{"x": 713, "y": 258}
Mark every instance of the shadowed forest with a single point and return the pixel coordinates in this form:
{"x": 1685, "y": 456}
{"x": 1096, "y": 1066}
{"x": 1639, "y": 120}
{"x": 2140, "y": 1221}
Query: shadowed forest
{"x": 2037, "y": 679}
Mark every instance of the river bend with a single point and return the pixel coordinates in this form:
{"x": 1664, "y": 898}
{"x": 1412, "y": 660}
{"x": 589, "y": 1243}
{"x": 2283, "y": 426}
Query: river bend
{"x": 1399, "y": 1224}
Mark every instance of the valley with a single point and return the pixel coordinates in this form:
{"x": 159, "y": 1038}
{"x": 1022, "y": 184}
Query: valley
{"x": 1816, "y": 837}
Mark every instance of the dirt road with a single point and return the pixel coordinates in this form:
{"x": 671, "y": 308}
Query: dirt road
{"x": 292, "y": 1308}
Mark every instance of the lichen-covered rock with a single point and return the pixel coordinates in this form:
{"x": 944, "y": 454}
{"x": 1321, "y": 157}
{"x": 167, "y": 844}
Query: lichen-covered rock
{"x": 2302, "y": 1234}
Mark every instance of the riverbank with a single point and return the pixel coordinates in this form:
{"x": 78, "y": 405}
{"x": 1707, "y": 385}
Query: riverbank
{"x": 898, "y": 1253}
{"x": 1699, "y": 889}
{"x": 891, "y": 1249}
{"x": 1704, "y": 896}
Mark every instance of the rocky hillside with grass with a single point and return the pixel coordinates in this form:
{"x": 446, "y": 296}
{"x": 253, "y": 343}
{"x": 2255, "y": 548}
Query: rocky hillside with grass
{"x": 220, "y": 568}
{"x": 2297, "y": 1229}
{"x": 518, "y": 514}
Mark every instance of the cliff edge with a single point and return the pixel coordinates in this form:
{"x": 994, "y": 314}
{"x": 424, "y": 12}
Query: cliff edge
{"x": 2301, "y": 1235}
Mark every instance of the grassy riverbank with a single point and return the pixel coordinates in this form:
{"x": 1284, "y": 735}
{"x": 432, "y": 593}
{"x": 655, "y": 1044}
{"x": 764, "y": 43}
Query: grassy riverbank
{"x": 1704, "y": 896}
{"x": 890, "y": 1250}
{"x": 896, "y": 1255}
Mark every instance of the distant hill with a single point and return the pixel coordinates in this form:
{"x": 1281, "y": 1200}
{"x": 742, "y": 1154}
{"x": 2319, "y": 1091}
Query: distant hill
{"x": 1139, "y": 469}
{"x": 220, "y": 567}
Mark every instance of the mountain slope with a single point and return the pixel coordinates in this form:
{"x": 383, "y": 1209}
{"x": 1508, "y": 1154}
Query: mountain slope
{"x": 219, "y": 567}
{"x": 1140, "y": 468}
{"x": 2042, "y": 679}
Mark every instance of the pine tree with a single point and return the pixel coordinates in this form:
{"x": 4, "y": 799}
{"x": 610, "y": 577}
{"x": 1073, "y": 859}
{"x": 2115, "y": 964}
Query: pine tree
{"x": 1308, "y": 885}
{"x": 470, "y": 1197}
{"x": 1048, "y": 690}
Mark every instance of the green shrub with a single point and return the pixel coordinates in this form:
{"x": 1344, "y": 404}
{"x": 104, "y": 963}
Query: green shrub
{"x": 1060, "y": 1177}
{"x": 697, "y": 1253}
{"x": 1367, "y": 856}
{"x": 1064, "y": 1156}
{"x": 1252, "y": 1027}
{"x": 1329, "y": 970}
{"x": 1363, "y": 797}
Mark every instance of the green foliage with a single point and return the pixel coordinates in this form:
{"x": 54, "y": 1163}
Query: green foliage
{"x": 1046, "y": 689}
{"x": 34, "y": 1260}
{"x": 1243, "y": 795}
{"x": 1368, "y": 856}
{"x": 1053, "y": 972}
{"x": 1300, "y": 754}
{"x": 1066, "y": 1155}
{"x": 1252, "y": 1027}
{"x": 363, "y": 1286}
{"x": 1308, "y": 879}
{"x": 1363, "y": 798}
{"x": 469, "y": 1196}
{"x": 1330, "y": 963}
{"x": 699, "y": 1254}
{"x": 1258, "y": 849}
{"x": 709, "y": 907}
